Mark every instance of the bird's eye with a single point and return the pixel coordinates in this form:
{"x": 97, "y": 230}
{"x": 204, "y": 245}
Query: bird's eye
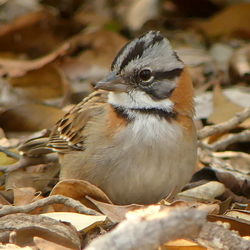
{"x": 145, "y": 75}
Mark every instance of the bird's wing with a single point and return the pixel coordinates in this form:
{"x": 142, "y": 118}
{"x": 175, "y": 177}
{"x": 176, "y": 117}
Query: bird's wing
{"x": 69, "y": 133}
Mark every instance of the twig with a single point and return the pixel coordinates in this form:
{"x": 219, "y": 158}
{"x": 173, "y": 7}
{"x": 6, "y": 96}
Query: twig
{"x": 229, "y": 139}
{"x": 225, "y": 126}
{"x": 149, "y": 232}
{"x": 217, "y": 237}
{"x": 54, "y": 199}
{"x": 230, "y": 154}
{"x": 26, "y": 161}
{"x": 216, "y": 162}
{"x": 9, "y": 153}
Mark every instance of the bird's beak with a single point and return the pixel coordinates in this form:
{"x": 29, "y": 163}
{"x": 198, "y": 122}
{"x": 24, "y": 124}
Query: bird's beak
{"x": 112, "y": 82}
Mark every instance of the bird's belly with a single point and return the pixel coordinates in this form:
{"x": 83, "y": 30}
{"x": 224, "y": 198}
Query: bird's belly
{"x": 147, "y": 163}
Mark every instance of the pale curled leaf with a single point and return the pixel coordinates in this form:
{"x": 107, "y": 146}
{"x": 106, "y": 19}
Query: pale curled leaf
{"x": 78, "y": 190}
{"x": 79, "y": 221}
{"x": 206, "y": 192}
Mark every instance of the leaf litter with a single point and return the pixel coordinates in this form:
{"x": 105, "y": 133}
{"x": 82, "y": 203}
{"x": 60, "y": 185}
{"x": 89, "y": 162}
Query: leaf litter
{"x": 51, "y": 55}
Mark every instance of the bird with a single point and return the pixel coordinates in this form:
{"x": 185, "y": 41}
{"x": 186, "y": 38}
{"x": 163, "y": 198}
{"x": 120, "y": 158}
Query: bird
{"x": 134, "y": 136}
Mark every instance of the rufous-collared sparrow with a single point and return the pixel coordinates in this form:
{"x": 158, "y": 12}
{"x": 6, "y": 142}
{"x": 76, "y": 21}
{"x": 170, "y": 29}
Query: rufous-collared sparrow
{"x": 134, "y": 137}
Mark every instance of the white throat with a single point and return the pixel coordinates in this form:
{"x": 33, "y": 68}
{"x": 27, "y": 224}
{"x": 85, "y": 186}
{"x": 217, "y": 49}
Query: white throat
{"x": 138, "y": 100}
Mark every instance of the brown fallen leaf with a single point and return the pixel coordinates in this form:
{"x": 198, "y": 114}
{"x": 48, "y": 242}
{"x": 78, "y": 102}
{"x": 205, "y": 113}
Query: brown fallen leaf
{"x": 235, "y": 185}
{"x": 223, "y": 108}
{"x": 16, "y": 67}
{"x": 30, "y": 117}
{"x": 44, "y": 244}
{"x": 38, "y": 180}
{"x": 78, "y": 190}
{"x": 94, "y": 62}
{"x": 25, "y": 20}
{"x": 114, "y": 212}
{"x": 35, "y": 32}
{"x": 5, "y": 160}
{"x": 23, "y": 196}
{"x": 45, "y": 82}
{"x": 118, "y": 213}
{"x": 234, "y": 197}
{"x": 231, "y": 22}
{"x": 3, "y": 201}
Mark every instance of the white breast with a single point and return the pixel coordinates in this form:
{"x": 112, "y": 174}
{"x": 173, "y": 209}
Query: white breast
{"x": 149, "y": 160}
{"x": 153, "y": 129}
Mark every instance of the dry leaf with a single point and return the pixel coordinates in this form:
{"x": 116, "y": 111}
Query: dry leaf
{"x": 93, "y": 63}
{"x": 30, "y": 117}
{"x": 16, "y": 67}
{"x": 206, "y": 192}
{"x": 139, "y": 12}
{"x": 42, "y": 83}
{"x": 5, "y": 160}
{"x": 223, "y": 108}
{"x": 78, "y": 190}
{"x": 79, "y": 221}
{"x": 3, "y": 201}
{"x": 232, "y": 21}
{"x": 199, "y": 64}
{"x": 23, "y": 196}
{"x": 43, "y": 244}
{"x": 203, "y": 102}
{"x": 30, "y": 35}
{"x": 114, "y": 212}
{"x": 39, "y": 181}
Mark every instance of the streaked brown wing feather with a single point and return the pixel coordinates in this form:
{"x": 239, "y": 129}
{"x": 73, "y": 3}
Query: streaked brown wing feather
{"x": 36, "y": 146}
{"x": 68, "y": 134}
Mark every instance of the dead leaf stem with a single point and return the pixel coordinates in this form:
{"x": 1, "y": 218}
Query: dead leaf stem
{"x": 225, "y": 126}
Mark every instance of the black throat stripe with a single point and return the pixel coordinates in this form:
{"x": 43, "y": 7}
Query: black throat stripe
{"x": 161, "y": 114}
